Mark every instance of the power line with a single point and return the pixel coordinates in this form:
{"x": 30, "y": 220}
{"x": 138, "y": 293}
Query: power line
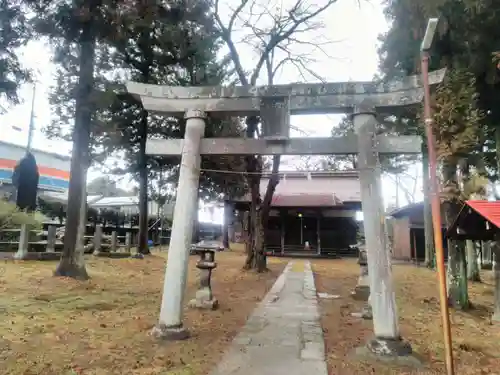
{"x": 281, "y": 173}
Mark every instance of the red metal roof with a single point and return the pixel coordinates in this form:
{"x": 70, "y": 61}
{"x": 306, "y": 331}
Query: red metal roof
{"x": 490, "y": 210}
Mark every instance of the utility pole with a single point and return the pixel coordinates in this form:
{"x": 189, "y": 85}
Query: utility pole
{"x": 435, "y": 199}
{"x": 31, "y": 128}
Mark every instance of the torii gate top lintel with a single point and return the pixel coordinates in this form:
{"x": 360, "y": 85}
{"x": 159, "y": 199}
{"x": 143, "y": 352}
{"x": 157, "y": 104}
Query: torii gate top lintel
{"x": 330, "y": 97}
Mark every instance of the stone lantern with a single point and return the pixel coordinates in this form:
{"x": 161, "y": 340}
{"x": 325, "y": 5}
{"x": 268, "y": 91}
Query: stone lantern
{"x": 362, "y": 290}
{"x": 204, "y": 298}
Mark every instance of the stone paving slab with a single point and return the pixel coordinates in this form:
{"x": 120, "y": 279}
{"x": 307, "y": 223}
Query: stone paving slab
{"x": 283, "y": 335}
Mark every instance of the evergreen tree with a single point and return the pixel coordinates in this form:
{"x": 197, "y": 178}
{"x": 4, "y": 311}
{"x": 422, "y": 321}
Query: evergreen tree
{"x": 465, "y": 114}
{"x": 162, "y": 44}
{"x": 14, "y": 34}
{"x": 74, "y": 29}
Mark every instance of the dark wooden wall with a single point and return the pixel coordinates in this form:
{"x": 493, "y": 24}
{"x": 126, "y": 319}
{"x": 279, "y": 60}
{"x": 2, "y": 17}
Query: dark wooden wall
{"x": 336, "y": 233}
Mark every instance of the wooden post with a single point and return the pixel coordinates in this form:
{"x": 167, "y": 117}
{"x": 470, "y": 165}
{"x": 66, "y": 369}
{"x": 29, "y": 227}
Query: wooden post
{"x": 24, "y": 237}
{"x": 228, "y": 218}
{"x": 318, "y": 231}
{"x": 283, "y": 230}
{"x": 114, "y": 240}
{"x": 128, "y": 242}
{"x": 98, "y": 239}
{"x": 51, "y": 238}
{"x": 487, "y": 255}
{"x": 135, "y": 238}
{"x": 246, "y": 226}
{"x": 414, "y": 238}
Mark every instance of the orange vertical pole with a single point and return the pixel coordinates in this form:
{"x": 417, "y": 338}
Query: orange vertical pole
{"x": 436, "y": 216}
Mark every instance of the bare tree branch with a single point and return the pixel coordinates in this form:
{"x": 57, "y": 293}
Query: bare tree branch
{"x": 226, "y": 36}
{"x": 267, "y": 42}
{"x": 410, "y": 197}
{"x": 285, "y": 23}
{"x": 285, "y": 33}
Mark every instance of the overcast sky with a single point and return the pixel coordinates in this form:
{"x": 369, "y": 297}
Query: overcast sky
{"x": 352, "y": 26}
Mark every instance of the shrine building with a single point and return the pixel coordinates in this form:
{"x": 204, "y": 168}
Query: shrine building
{"x": 311, "y": 214}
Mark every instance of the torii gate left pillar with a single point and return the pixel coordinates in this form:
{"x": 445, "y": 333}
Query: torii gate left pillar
{"x": 170, "y": 323}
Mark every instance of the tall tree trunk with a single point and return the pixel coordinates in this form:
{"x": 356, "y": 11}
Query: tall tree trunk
{"x": 472, "y": 266}
{"x": 72, "y": 263}
{"x": 144, "y": 44}
{"x": 259, "y": 246}
{"x": 253, "y": 167}
{"x": 142, "y": 246}
{"x": 228, "y": 216}
{"x": 457, "y": 266}
{"x": 496, "y": 273}
{"x": 253, "y": 230}
{"x": 256, "y": 256}
{"x": 266, "y": 209}
{"x": 246, "y": 231}
{"x": 458, "y": 295}
{"x": 495, "y": 246}
{"x": 260, "y": 218}
{"x": 472, "y": 263}
{"x": 430, "y": 252}
{"x": 80, "y": 239}
{"x": 497, "y": 149}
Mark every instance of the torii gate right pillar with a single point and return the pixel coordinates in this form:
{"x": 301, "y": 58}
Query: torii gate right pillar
{"x": 387, "y": 341}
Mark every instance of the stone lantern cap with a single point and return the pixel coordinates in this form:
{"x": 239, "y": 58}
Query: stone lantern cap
{"x": 206, "y": 245}
{"x": 206, "y": 250}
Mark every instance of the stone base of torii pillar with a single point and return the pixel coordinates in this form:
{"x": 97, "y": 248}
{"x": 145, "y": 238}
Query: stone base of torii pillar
{"x": 387, "y": 344}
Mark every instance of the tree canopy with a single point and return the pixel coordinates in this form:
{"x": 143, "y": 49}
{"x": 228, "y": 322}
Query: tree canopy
{"x": 14, "y": 34}
{"x": 465, "y": 113}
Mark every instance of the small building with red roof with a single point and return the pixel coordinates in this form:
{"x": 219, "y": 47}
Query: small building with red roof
{"x": 478, "y": 220}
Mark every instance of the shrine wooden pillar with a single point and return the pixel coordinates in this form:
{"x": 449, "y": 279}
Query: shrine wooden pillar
{"x": 318, "y": 231}
{"x": 283, "y": 230}
{"x": 246, "y": 226}
{"x": 228, "y": 221}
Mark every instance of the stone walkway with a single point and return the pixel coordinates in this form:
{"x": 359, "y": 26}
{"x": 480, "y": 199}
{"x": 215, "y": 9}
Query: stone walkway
{"x": 283, "y": 335}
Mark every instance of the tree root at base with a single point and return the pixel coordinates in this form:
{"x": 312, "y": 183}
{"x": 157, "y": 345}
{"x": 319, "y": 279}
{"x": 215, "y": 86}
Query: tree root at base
{"x": 65, "y": 269}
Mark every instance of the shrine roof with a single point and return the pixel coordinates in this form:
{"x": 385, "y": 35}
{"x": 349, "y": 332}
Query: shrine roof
{"x": 299, "y": 189}
{"x": 490, "y": 210}
{"x": 477, "y": 220}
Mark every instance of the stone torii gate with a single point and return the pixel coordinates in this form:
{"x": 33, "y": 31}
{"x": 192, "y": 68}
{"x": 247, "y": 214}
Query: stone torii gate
{"x": 274, "y": 104}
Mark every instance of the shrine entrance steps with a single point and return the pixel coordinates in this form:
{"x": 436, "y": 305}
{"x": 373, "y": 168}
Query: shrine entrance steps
{"x": 284, "y": 334}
